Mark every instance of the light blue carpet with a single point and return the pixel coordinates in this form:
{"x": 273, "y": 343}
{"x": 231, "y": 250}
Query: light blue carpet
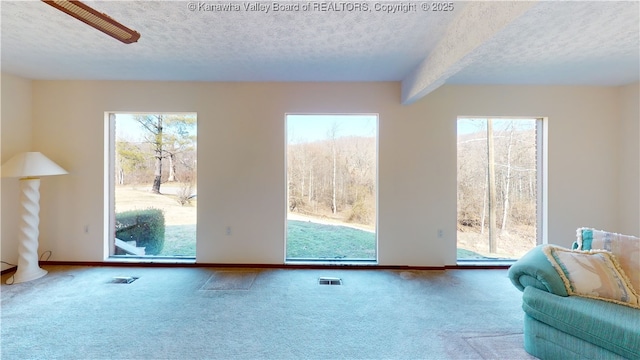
{"x": 216, "y": 313}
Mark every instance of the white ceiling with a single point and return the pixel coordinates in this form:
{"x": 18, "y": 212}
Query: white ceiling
{"x": 577, "y": 42}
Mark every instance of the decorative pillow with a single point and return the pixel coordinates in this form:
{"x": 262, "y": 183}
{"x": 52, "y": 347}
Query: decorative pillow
{"x": 594, "y": 274}
{"x": 626, "y": 249}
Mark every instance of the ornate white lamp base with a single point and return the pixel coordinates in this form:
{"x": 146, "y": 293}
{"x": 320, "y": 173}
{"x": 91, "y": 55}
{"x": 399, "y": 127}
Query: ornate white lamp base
{"x": 35, "y": 272}
{"x": 28, "y": 268}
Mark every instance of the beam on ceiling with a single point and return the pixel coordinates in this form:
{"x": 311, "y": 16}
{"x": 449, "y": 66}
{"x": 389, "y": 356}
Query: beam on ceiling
{"x": 477, "y": 23}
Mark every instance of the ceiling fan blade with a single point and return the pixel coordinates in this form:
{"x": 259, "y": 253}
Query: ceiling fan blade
{"x": 96, "y": 19}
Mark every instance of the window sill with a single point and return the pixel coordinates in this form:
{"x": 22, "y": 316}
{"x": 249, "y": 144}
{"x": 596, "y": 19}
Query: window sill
{"x": 128, "y": 259}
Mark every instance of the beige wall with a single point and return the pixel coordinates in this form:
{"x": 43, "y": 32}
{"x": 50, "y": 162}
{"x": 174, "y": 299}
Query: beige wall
{"x": 241, "y": 160}
{"x": 15, "y": 137}
{"x": 583, "y": 125}
{"x": 630, "y": 160}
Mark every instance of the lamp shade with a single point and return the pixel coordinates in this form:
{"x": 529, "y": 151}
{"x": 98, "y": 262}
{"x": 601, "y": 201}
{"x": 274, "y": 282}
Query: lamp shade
{"x": 31, "y": 164}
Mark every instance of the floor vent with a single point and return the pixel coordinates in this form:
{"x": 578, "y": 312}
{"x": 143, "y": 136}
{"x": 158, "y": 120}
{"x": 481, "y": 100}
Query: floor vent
{"x": 329, "y": 281}
{"x": 123, "y": 279}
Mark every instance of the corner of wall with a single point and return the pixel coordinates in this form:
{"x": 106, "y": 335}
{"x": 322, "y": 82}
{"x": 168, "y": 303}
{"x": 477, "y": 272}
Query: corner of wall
{"x": 629, "y": 183}
{"x": 16, "y": 133}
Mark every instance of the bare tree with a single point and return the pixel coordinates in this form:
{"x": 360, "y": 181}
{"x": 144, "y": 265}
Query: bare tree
{"x": 178, "y": 139}
{"x": 332, "y": 135}
{"x": 167, "y": 136}
{"x": 154, "y": 125}
{"x": 507, "y": 178}
{"x": 492, "y": 187}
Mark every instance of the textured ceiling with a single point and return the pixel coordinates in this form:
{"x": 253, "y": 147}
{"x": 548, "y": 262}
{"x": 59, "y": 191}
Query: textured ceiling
{"x": 178, "y": 44}
{"x": 562, "y": 42}
{"x": 574, "y": 42}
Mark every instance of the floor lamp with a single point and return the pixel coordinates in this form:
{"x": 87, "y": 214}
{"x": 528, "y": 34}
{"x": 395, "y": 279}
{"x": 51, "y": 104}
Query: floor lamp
{"x": 29, "y": 167}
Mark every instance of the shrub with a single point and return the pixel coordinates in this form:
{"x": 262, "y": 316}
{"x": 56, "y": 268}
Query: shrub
{"x": 185, "y": 193}
{"x": 145, "y": 227}
{"x": 360, "y": 213}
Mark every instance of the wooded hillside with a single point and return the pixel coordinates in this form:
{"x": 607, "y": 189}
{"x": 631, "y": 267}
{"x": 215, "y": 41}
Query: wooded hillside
{"x": 334, "y": 178}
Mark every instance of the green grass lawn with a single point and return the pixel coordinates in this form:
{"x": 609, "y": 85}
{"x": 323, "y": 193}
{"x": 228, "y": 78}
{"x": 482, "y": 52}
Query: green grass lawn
{"x": 179, "y": 240}
{"x": 307, "y": 240}
{"x": 468, "y": 254}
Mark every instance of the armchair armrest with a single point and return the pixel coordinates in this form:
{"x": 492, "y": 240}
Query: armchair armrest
{"x": 534, "y": 269}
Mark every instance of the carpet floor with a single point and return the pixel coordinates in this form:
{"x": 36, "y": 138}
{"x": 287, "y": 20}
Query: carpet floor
{"x": 219, "y": 313}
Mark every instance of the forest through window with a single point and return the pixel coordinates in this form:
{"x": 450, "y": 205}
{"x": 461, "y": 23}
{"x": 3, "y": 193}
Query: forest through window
{"x": 153, "y": 161}
{"x": 498, "y": 187}
{"x": 331, "y": 187}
